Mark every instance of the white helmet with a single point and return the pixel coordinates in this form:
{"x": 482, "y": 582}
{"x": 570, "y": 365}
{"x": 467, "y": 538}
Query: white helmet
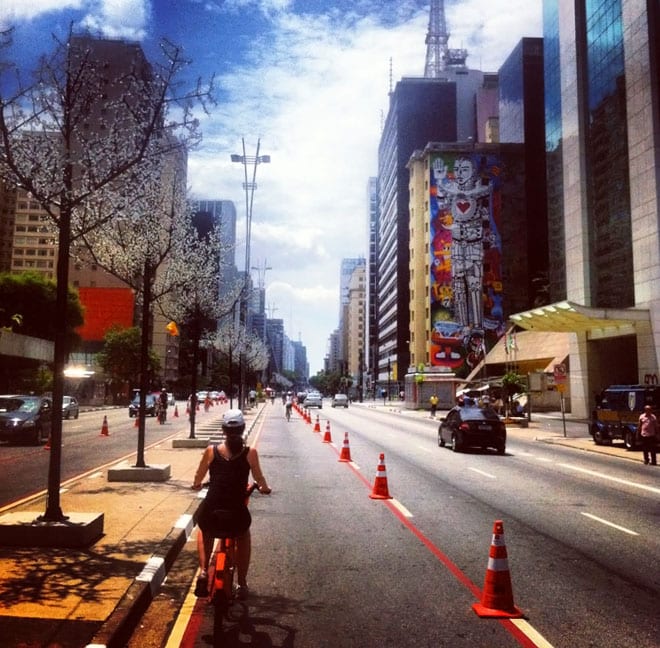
{"x": 233, "y": 422}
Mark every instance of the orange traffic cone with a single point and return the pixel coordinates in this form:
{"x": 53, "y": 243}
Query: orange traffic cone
{"x": 317, "y": 425}
{"x": 187, "y": 410}
{"x": 137, "y": 421}
{"x": 176, "y": 411}
{"x": 345, "y": 454}
{"x": 104, "y": 427}
{"x": 497, "y": 595}
{"x": 380, "y": 490}
{"x": 326, "y": 437}
{"x": 47, "y": 446}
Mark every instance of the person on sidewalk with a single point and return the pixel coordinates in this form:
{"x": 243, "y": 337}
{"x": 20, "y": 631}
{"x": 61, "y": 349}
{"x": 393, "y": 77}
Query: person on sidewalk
{"x": 647, "y": 430}
{"x": 434, "y": 404}
{"x": 224, "y": 509}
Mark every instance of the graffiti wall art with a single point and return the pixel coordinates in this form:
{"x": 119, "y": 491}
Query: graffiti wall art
{"x": 466, "y": 273}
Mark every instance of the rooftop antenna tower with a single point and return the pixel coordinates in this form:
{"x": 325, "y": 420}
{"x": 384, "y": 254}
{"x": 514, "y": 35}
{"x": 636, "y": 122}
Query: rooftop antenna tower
{"x": 439, "y": 58}
{"x": 437, "y": 52}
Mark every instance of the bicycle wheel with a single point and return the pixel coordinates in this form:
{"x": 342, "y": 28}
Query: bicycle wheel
{"x": 223, "y": 583}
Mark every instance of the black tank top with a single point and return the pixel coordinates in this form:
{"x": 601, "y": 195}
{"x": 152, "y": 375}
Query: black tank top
{"x": 229, "y": 479}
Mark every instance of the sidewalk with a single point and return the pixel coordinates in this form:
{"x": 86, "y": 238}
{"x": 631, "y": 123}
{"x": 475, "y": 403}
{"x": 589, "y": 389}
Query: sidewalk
{"x": 68, "y": 598}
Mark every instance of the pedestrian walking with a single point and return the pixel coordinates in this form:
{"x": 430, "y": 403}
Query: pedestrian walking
{"x": 647, "y": 431}
{"x": 434, "y": 404}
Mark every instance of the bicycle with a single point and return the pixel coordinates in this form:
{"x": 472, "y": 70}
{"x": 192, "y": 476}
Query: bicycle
{"x": 221, "y": 581}
{"x": 161, "y": 413}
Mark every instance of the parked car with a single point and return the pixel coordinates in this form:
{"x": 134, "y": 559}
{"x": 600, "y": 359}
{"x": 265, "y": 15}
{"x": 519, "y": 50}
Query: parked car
{"x": 340, "y": 400}
{"x": 313, "y": 399}
{"x": 70, "y": 407}
{"x": 472, "y": 427}
{"x": 26, "y": 419}
{"x": 150, "y": 406}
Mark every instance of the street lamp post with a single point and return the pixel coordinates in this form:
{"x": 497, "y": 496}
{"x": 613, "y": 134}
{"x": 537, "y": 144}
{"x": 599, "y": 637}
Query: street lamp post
{"x": 261, "y": 270}
{"x": 249, "y": 186}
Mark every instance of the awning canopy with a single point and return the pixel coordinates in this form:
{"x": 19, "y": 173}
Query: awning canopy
{"x": 531, "y": 350}
{"x": 569, "y": 317}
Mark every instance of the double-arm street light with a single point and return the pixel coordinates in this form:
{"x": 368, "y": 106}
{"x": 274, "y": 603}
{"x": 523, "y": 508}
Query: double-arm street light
{"x": 249, "y": 186}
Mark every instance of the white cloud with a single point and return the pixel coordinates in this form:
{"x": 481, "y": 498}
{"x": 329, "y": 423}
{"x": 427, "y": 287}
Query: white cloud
{"x": 315, "y": 91}
{"x": 316, "y": 102}
{"x": 118, "y": 18}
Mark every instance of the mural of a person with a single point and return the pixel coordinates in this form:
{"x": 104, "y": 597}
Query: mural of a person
{"x": 466, "y": 290}
{"x": 467, "y": 200}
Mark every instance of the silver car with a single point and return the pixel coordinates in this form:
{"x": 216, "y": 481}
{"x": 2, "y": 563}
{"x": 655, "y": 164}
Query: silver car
{"x": 70, "y": 408}
{"x": 340, "y": 400}
{"x": 313, "y": 400}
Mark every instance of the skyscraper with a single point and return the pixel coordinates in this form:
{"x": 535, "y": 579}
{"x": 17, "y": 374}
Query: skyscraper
{"x": 602, "y": 66}
{"x": 440, "y": 107}
{"x": 222, "y": 214}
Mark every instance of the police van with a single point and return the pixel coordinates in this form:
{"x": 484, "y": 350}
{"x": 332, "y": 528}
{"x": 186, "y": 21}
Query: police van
{"x": 617, "y": 413}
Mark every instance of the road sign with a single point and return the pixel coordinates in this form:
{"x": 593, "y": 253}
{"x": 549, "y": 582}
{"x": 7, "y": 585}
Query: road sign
{"x": 560, "y": 374}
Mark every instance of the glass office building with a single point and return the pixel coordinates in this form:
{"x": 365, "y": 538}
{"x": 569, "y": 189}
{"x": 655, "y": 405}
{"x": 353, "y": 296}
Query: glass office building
{"x": 602, "y": 127}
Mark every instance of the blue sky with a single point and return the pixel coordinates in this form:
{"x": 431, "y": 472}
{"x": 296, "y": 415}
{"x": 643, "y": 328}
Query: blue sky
{"x": 311, "y": 79}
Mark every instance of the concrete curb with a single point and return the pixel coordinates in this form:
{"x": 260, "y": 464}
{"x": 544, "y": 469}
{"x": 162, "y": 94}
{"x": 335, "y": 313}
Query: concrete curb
{"x": 118, "y": 628}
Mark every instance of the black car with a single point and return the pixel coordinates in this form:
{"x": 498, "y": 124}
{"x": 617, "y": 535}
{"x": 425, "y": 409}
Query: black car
{"x": 149, "y": 404}
{"x": 26, "y": 419}
{"x": 472, "y": 427}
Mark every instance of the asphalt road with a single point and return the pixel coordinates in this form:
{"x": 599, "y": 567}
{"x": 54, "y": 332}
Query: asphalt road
{"x": 332, "y": 567}
{"x": 24, "y": 468}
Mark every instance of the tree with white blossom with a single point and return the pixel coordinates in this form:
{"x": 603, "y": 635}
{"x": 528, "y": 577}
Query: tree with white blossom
{"x": 234, "y": 342}
{"x": 72, "y": 135}
{"x": 154, "y": 247}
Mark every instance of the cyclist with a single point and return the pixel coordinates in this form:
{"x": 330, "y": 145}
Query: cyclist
{"x": 163, "y": 398}
{"x": 288, "y": 404}
{"x": 229, "y": 465}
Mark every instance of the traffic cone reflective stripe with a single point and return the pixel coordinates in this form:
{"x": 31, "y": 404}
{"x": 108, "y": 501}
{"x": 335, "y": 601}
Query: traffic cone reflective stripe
{"x": 104, "y": 427}
{"x": 497, "y": 594}
{"x": 317, "y": 425}
{"x": 345, "y": 454}
{"x": 326, "y": 437}
{"x": 380, "y": 490}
